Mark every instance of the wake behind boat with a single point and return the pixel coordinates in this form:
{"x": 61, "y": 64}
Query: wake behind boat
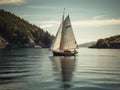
{"x": 64, "y": 43}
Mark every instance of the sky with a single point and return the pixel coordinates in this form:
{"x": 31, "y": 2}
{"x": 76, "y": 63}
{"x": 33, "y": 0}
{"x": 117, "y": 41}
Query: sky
{"x": 90, "y": 19}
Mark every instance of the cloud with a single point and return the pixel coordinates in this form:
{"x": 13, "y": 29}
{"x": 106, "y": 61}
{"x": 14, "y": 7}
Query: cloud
{"x": 11, "y": 1}
{"x": 99, "y": 17}
{"x": 46, "y": 26}
{"x": 82, "y": 23}
{"x": 41, "y": 7}
{"x": 94, "y": 23}
{"x": 49, "y": 24}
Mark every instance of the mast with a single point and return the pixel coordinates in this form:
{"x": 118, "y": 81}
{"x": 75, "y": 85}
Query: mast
{"x": 61, "y": 44}
{"x": 63, "y": 11}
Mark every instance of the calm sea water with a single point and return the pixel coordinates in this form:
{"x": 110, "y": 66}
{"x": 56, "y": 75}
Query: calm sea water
{"x": 37, "y": 69}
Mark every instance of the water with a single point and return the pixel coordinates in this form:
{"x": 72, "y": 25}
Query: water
{"x": 37, "y": 69}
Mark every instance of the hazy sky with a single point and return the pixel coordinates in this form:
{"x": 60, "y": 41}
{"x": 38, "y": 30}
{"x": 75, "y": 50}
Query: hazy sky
{"x": 91, "y": 19}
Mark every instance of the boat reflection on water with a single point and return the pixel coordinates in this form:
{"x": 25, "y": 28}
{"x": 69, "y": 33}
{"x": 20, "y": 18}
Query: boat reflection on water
{"x": 65, "y": 67}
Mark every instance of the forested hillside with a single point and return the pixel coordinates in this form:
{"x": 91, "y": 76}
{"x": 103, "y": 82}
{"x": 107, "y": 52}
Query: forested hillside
{"x": 111, "y": 42}
{"x": 20, "y": 33}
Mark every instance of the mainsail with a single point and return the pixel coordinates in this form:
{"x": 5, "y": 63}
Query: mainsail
{"x": 68, "y": 40}
{"x": 65, "y": 39}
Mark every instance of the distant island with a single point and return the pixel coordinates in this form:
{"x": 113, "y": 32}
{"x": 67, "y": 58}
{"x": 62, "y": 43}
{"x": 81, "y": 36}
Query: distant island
{"x": 112, "y": 42}
{"x": 16, "y": 32}
{"x": 87, "y": 44}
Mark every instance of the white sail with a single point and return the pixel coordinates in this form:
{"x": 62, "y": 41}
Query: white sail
{"x": 68, "y": 40}
{"x": 56, "y": 43}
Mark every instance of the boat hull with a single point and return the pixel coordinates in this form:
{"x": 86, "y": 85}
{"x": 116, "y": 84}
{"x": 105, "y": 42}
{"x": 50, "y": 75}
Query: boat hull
{"x": 64, "y": 53}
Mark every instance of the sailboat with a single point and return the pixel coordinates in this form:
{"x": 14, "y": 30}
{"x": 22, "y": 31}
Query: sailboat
{"x": 64, "y": 43}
